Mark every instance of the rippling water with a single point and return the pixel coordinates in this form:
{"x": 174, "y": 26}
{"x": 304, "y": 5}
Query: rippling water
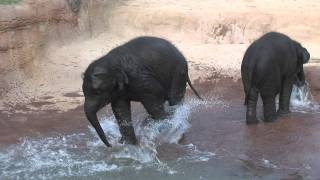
{"x": 218, "y": 126}
{"x": 84, "y": 154}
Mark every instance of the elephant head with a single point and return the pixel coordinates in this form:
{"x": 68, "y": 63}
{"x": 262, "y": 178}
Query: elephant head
{"x": 100, "y": 86}
{"x": 303, "y": 57}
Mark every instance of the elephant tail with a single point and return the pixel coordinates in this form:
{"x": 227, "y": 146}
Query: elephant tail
{"x": 193, "y": 89}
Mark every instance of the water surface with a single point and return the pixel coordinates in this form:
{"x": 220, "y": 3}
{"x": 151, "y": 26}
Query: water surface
{"x": 217, "y": 144}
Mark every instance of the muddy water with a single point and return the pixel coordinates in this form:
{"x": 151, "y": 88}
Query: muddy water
{"x": 217, "y": 144}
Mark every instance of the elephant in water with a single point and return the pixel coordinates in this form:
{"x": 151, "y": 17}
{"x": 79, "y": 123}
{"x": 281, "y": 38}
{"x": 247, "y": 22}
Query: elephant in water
{"x": 270, "y": 66}
{"x": 149, "y": 70}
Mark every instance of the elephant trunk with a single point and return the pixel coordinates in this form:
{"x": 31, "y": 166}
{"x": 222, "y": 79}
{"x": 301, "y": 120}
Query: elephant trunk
{"x": 91, "y": 109}
{"x": 300, "y": 79}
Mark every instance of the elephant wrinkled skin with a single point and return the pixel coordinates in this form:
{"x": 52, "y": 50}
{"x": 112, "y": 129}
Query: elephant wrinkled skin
{"x": 270, "y": 66}
{"x": 149, "y": 70}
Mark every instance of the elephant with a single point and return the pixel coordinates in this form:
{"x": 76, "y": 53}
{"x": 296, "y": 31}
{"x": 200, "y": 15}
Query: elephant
{"x": 270, "y": 66}
{"x": 146, "y": 69}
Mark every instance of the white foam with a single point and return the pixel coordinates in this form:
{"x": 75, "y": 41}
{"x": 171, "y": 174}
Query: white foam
{"x": 49, "y": 157}
{"x": 195, "y": 155}
{"x": 268, "y": 164}
{"x": 302, "y": 101}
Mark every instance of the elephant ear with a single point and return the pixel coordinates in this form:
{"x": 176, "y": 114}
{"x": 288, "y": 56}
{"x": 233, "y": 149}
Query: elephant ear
{"x": 99, "y": 71}
{"x": 98, "y": 77}
{"x": 122, "y": 80}
{"x": 305, "y": 55}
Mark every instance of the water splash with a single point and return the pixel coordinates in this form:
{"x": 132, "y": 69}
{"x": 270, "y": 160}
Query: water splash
{"x": 50, "y": 157}
{"x": 150, "y": 133}
{"x": 302, "y": 101}
{"x": 84, "y": 154}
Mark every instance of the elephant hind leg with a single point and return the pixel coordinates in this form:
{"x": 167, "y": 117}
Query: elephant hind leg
{"x": 285, "y": 93}
{"x": 177, "y": 88}
{"x": 269, "y": 108}
{"x": 246, "y": 86}
{"x": 252, "y": 99}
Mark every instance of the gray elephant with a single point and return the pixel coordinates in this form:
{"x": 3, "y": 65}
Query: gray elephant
{"x": 149, "y": 70}
{"x": 270, "y": 66}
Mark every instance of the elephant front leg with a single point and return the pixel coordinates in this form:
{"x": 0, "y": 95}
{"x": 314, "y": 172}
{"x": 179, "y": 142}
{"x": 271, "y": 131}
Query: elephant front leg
{"x": 251, "y": 116}
{"x": 122, "y": 112}
{"x": 285, "y": 94}
{"x": 269, "y": 108}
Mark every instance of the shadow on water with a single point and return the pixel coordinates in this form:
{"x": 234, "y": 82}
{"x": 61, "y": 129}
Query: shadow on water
{"x": 216, "y": 143}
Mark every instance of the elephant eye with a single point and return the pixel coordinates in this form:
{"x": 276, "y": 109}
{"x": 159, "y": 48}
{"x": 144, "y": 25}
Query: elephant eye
{"x": 98, "y": 75}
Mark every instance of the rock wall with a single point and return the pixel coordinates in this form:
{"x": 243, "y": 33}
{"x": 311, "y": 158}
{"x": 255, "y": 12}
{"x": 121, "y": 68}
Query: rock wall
{"x": 26, "y": 29}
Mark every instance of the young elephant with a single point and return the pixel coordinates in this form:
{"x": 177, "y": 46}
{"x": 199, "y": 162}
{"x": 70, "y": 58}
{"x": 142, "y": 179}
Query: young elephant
{"x": 146, "y": 69}
{"x": 270, "y": 66}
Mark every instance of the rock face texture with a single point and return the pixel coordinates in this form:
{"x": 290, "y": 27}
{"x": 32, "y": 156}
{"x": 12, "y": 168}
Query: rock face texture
{"x": 26, "y": 27}
{"x": 29, "y": 27}
{"x": 46, "y": 45}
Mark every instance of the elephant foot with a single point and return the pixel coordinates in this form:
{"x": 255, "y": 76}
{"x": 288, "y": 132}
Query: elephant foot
{"x": 128, "y": 140}
{"x": 252, "y": 120}
{"x": 270, "y": 119}
{"x": 283, "y": 112}
{"x": 182, "y": 140}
